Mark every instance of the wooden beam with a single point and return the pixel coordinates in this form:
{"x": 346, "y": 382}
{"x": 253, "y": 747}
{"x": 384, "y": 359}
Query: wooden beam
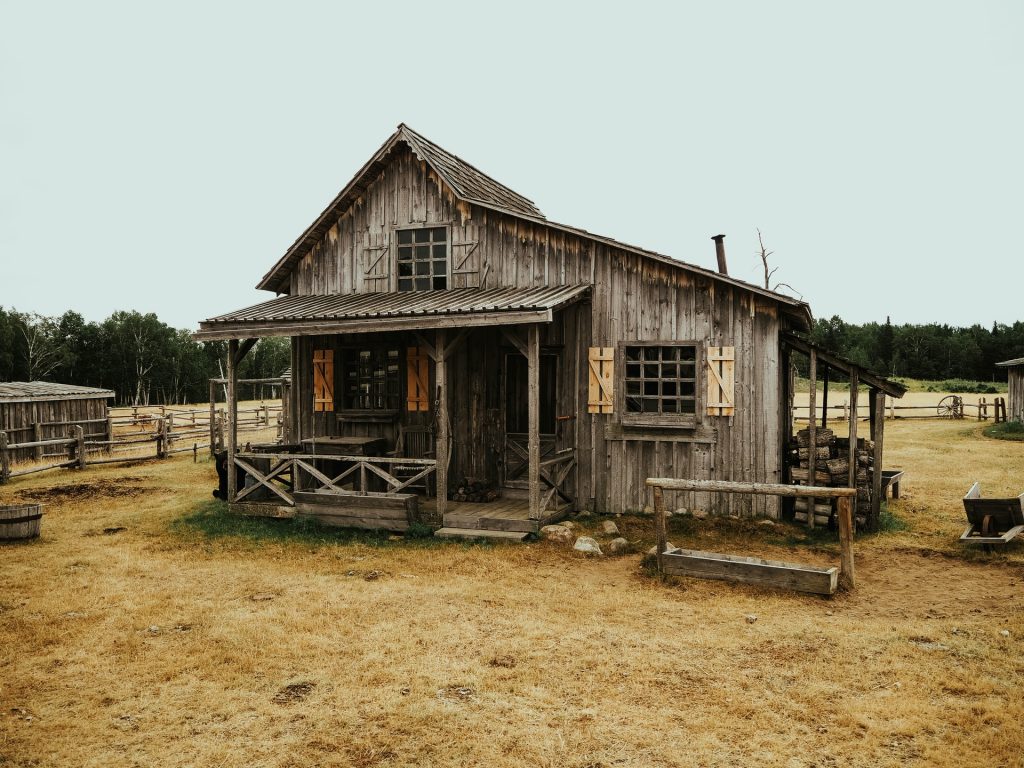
{"x": 213, "y": 417}
{"x": 772, "y": 489}
{"x": 852, "y": 453}
{"x": 423, "y": 342}
{"x": 442, "y": 446}
{"x": 243, "y": 350}
{"x": 232, "y": 417}
{"x": 516, "y": 341}
{"x": 533, "y": 398}
{"x": 889, "y": 387}
{"x": 876, "y": 479}
{"x": 812, "y": 430}
{"x": 824, "y": 398}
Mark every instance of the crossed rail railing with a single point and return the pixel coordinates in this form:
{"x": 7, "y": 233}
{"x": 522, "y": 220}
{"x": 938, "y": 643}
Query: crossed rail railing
{"x": 553, "y": 473}
{"x": 286, "y": 473}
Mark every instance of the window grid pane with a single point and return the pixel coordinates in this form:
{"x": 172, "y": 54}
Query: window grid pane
{"x": 661, "y": 380}
{"x": 423, "y": 259}
{"x": 372, "y": 380}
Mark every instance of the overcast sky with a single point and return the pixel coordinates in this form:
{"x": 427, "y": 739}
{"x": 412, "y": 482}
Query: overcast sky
{"x": 162, "y": 157}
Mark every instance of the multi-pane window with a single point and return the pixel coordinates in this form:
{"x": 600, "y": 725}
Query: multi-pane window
{"x": 423, "y": 259}
{"x": 372, "y": 380}
{"x": 660, "y": 381}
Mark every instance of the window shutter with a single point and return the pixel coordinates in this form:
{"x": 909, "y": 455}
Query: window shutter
{"x": 417, "y": 370}
{"x": 601, "y": 362}
{"x": 721, "y": 381}
{"x": 323, "y": 380}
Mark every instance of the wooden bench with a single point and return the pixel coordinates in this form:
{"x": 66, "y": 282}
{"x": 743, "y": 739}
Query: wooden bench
{"x": 992, "y": 521}
{"x": 379, "y": 511}
{"x": 891, "y": 479}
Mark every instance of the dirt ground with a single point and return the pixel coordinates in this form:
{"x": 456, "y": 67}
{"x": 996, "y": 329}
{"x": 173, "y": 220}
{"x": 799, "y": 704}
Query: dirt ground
{"x": 130, "y": 638}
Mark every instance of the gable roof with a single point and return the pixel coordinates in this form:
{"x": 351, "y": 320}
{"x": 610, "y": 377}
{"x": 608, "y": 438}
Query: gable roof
{"x": 1011, "y": 363}
{"x": 27, "y": 391}
{"x": 473, "y": 186}
{"x": 467, "y": 182}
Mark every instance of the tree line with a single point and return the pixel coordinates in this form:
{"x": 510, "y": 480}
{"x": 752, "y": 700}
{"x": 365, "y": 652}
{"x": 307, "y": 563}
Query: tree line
{"x": 141, "y": 359}
{"x": 932, "y": 352}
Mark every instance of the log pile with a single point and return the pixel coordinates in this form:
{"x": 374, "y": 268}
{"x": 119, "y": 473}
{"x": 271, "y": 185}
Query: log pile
{"x": 475, "y": 491}
{"x": 832, "y": 468}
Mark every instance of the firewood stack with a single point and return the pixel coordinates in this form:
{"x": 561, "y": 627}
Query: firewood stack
{"x": 832, "y": 468}
{"x": 474, "y": 490}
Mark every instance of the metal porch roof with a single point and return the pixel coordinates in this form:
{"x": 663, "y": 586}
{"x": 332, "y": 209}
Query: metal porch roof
{"x": 368, "y": 312}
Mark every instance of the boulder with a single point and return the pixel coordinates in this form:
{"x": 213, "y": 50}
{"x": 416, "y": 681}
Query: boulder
{"x": 587, "y": 546}
{"x": 610, "y": 528}
{"x": 669, "y": 546}
{"x": 557, "y": 533}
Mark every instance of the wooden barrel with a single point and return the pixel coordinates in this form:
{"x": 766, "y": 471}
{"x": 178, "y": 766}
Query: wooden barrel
{"x": 20, "y": 521}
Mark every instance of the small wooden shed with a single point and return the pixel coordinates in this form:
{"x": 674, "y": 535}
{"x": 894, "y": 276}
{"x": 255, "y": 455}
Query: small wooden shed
{"x": 1015, "y": 393}
{"x": 31, "y": 411}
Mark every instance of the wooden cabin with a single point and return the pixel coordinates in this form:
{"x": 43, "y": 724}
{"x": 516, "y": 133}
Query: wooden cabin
{"x": 31, "y": 411}
{"x": 459, "y": 358}
{"x": 1015, "y": 391}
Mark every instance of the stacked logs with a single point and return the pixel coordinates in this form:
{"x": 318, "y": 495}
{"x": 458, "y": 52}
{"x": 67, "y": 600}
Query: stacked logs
{"x": 475, "y": 491}
{"x": 832, "y": 468}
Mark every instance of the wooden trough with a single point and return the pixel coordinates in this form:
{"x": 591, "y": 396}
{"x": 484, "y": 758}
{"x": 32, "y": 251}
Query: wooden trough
{"x": 20, "y": 521}
{"x": 751, "y": 570}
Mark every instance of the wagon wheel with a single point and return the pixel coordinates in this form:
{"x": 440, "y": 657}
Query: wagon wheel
{"x": 948, "y": 407}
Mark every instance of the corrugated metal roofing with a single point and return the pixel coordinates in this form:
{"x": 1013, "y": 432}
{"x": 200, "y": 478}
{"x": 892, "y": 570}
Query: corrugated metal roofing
{"x": 1012, "y": 363}
{"x": 48, "y": 390}
{"x": 400, "y": 304}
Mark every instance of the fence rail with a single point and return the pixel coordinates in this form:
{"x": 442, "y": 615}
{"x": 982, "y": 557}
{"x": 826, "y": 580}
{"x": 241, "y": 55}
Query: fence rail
{"x": 949, "y": 407}
{"x": 125, "y": 437}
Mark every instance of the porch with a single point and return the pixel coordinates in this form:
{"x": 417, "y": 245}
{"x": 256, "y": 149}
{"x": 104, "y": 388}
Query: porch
{"x": 470, "y": 389}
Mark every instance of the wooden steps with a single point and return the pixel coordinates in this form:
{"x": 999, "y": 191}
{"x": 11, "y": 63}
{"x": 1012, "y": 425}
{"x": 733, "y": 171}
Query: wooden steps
{"x": 480, "y": 533}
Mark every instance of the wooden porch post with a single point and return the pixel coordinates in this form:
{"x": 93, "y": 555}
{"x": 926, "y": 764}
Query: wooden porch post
{"x": 213, "y": 418}
{"x": 533, "y": 396}
{"x": 441, "y": 451}
{"x": 232, "y": 418}
{"x": 812, "y": 433}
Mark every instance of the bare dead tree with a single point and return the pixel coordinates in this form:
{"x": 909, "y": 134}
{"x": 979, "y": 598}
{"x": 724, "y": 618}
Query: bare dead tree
{"x": 765, "y": 253}
{"x": 764, "y": 260}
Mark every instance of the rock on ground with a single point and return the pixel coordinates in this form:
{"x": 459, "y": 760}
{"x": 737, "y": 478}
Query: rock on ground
{"x": 587, "y": 545}
{"x": 618, "y": 546}
{"x": 558, "y": 533}
{"x": 610, "y": 528}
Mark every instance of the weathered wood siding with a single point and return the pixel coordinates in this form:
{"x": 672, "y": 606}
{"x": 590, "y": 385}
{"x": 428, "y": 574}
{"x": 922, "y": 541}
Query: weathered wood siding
{"x": 634, "y": 298}
{"x": 17, "y": 420}
{"x": 1015, "y": 394}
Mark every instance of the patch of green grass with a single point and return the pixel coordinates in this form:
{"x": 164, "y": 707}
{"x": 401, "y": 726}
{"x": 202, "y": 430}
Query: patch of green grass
{"x": 212, "y": 520}
{"x": 1008, "y": 430}
{"x": 890, "y": 522}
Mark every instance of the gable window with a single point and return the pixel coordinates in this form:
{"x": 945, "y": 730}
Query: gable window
{"x": 372, "y": 380}
{"x": 423, "y": 259}
{"x": 660, "y": 383}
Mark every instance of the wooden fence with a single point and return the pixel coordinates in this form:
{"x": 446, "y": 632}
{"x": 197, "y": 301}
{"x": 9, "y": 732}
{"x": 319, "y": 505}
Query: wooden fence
{"x": 949, "y": 407}
{"x": 131, "y": 434}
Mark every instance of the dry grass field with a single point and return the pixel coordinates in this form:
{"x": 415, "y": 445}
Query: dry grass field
{"x": 145, "y": 629}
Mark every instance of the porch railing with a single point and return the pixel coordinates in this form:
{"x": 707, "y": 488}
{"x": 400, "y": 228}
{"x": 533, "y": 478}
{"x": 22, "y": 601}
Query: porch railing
{"x": 553, "y": 474}
{"x": 286, "y": 473}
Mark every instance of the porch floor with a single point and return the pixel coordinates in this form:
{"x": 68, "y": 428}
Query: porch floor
{"x": 500, "y": 515}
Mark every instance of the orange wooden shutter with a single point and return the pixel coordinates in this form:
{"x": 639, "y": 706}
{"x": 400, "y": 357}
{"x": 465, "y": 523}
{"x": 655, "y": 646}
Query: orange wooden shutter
{"x": 323, "y": 380}
{"x": 601, "y": 361}
{"x": 417, "y": 379}
{"x": 721, "y": 362}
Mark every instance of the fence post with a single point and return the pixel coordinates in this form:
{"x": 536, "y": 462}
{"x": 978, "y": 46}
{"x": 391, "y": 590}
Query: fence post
{"x": 195, "y": 453}
{"x": 169, "y": 433}
{"x": 266, "y": 415}
{"x": 37, "y": 435}
{"x": 659, "y": 525}
{"x": 79, "y": 431}
{"x": 5, "y": 461}
{"x": 845, "y": 510}
{"x": 161, "y": 449}
{"x": 110, "y": 434}
{"x": 220, "y": 430}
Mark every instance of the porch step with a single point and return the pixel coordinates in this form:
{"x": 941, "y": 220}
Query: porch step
{"x": 480, "y": 533}
{"x": 476, "y": 521}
